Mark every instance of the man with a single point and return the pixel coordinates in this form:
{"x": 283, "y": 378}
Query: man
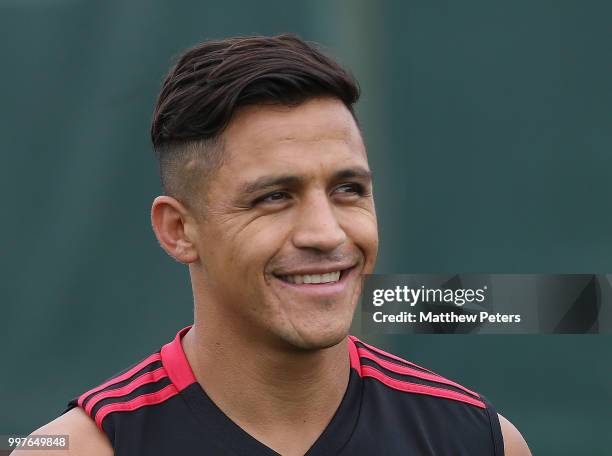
{"x": 268, "y": 199}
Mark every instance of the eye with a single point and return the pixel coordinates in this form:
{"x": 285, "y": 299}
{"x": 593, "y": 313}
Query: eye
{"x": 271, "y": 198}
{"x": 350, "y": 189}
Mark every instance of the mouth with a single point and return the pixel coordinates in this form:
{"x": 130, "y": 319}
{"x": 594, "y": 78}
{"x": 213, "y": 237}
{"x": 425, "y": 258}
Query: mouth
{"x": 314, "y": 279}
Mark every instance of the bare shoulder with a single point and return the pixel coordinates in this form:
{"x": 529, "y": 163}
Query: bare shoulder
{"x": 514, "y": 443}
{"x": 85, "y": 438}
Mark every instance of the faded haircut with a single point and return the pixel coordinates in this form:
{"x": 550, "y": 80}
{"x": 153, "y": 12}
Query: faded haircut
{"x": 212, "y": 80}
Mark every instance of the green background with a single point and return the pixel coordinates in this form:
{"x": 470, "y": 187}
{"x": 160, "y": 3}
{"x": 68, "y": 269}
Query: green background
{"x": 489, "y": 133}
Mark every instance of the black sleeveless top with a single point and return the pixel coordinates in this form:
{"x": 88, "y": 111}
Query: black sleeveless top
{"x": 391, "y": 407}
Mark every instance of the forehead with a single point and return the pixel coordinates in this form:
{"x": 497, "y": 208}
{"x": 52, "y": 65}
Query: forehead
{"x": 319, "y": 132}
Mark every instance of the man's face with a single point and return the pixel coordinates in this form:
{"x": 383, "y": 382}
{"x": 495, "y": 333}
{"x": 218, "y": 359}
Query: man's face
{"x": 289, "y": 225}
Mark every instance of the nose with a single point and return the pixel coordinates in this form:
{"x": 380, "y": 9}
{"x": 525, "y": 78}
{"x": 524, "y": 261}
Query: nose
{"x": 317, "y": 225}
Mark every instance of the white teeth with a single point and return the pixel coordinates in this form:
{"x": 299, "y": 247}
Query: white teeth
{"x": 313, "y": 278}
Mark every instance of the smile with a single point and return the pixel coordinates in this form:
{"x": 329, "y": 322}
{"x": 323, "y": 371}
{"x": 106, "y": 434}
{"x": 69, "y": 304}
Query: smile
{"x": 328, "y": 277}
{"x": 316, "y": 279}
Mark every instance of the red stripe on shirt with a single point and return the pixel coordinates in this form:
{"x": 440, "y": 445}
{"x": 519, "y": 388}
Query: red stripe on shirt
{"x": 409, "y": 387}
{"x": 145, "y": 362}
{"x": 410, "y": 371}
{"x": 389, "y": 355}
{"x": 176, "y": 363}
{"x": 354, "y": 356}
{"x": 148, "y": 377}
{"x": 136, "y": 403}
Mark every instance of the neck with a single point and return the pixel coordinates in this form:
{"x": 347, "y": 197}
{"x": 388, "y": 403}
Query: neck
{"x": 283, "y": 386}
{"x": 284, "y": 398}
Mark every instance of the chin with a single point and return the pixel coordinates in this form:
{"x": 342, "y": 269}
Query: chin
{"x": 313, "y": 339}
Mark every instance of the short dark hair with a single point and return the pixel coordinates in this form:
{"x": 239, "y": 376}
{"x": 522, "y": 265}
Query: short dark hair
{"x": 213, "y": 79}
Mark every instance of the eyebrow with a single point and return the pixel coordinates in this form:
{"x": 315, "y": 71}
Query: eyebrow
{"x": 288, "y": 180}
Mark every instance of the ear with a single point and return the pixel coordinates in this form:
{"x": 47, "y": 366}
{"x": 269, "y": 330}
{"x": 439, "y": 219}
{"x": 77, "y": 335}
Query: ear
{"x": 172, "y": 226}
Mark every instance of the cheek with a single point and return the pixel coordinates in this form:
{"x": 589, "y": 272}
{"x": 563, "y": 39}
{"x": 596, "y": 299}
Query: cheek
{"x": 254, "y": 246}
{"x": 361, "y": 227}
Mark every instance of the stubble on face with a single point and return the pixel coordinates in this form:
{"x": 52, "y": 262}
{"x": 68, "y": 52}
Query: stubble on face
{"x": 292, "y": 201}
